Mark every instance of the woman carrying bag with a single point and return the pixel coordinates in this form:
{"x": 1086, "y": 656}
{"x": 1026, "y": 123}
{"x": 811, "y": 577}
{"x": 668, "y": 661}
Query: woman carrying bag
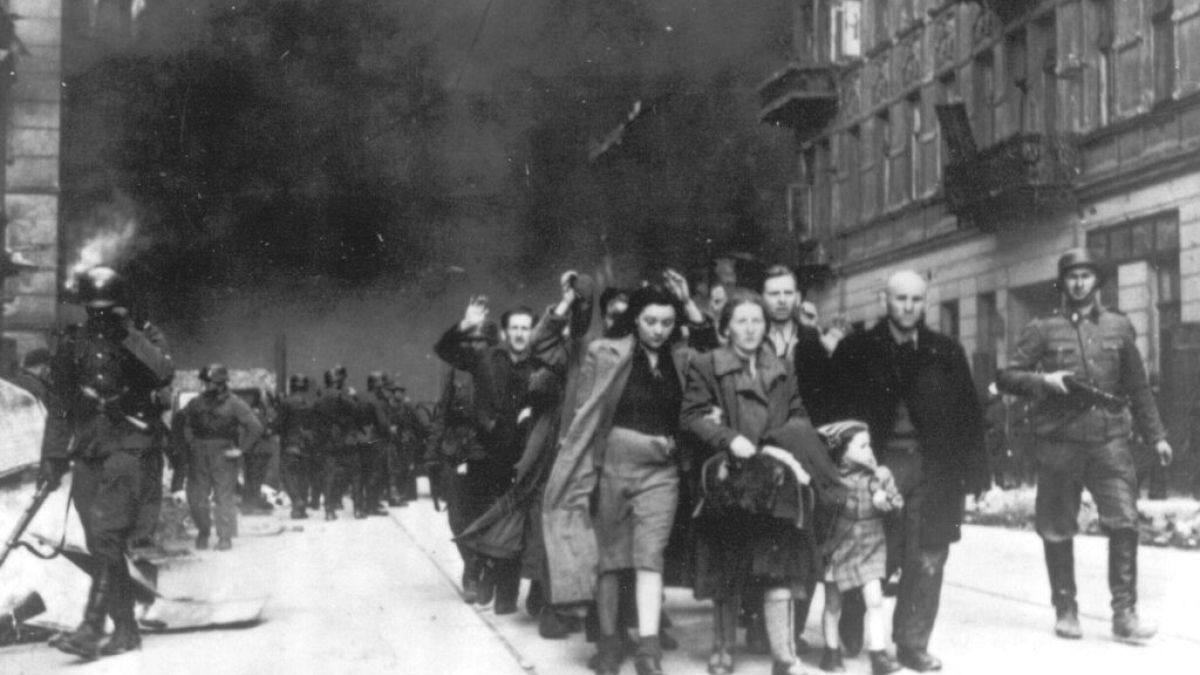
{"x": 762, "y": 463}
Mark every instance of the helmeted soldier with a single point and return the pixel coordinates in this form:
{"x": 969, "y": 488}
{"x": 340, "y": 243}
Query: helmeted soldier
{"x": 370, "y": 464}
{"x": 412, "y": 433}
{"x": 337, "y": 417}
{"x": 218, "y": 427}
{"x": 296, "y": 440}
{"x": 1082, "y": 369}
{"x": 103, "y": 376}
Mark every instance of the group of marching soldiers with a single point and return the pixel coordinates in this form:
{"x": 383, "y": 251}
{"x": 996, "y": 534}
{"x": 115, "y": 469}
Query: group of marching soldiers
{"x": 335, "y": 438}
{"x": 106, "y": 385}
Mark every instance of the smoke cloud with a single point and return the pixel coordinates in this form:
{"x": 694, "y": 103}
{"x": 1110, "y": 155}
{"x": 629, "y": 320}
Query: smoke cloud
{"x": 351, "y": 171}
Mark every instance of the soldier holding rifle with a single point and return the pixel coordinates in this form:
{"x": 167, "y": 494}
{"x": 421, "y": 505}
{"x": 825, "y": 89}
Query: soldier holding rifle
{"x": 1083, "y": 370}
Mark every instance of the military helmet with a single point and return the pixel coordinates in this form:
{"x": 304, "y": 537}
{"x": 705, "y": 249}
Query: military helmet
{"x": 339, "y": 372}
{"x": 101, "y": 288}
{"x": 375, "y": 380}
{"x": 1080, "y": 257}
{"x": 214, "y": 372}
{"x": 298, "y": 382}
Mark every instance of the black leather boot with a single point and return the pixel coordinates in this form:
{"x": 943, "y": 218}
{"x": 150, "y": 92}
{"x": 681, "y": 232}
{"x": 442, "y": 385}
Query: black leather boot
{"x": 84, "y": 641}
{"x": 125, "y": 635}
{"x": 1122, "y": 581}
{"x": 648, "y": 659}
{"x": 882, "y": 663}
{"x": 831, "y": 660}
{"x": 1060, "y": 565}
{"x": 608, "y": 655}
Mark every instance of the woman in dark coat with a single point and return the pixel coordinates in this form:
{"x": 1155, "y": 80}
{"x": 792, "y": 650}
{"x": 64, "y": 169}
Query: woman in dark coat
{"x": 741, "y": 402}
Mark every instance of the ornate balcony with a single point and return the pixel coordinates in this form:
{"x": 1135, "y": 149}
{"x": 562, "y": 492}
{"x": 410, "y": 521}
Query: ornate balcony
{"x": 1020, "y": 177}
{"x": 803, "y": 97}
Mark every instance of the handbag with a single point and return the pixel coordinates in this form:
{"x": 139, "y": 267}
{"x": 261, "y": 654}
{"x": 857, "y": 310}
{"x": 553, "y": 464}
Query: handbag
{"x": 758, "y": 485}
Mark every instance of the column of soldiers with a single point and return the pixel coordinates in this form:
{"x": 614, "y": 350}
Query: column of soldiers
{"x": 335, "y": 439}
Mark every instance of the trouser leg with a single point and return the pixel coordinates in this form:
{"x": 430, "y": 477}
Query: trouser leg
{"x": 295, "y": 478}
{"x": 199, "y": 487}
{"x": 919, "y": 598}
{"x": 224, "y": 476}
{"x": 150, "y": 500}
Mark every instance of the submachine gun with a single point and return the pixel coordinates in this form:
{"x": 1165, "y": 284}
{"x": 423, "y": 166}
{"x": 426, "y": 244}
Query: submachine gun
{"x": 1088, "y": 395}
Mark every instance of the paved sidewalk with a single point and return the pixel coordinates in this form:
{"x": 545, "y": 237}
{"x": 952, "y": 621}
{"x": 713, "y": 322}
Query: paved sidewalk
{"x": 381, "y": 596}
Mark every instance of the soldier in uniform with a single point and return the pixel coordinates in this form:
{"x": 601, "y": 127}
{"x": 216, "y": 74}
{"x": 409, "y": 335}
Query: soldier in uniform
{"x": 218, "y": 428}
{"x": 411, "y": 435}
{"x": 1082, "y": 368}
{"x": 337, "y": 418}
{"x": 296, "y": 433}
{"x": 103, "y": 376}
{"x": 370, "y": 466}
{"x": 257, "y": 459}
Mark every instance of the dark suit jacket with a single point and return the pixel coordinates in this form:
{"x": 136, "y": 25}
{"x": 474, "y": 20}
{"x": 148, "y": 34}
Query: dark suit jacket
{"x": 945, "y": 411}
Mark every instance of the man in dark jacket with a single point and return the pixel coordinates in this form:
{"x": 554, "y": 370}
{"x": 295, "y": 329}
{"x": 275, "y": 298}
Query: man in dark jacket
{"x": 1083, "y": 438}
{"x": 104, "y": 375}
{"x": 501, "y": 376}
{"x": 913, "y": 387}
{"x": 336, "y": 414}
{"x": 218, "y": 428}
{"x": 296, "y": 442}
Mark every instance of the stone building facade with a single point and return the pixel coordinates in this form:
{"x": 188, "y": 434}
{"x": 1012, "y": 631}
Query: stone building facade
{"x": 975, "y": 141}
{"x": 31, "y": 100}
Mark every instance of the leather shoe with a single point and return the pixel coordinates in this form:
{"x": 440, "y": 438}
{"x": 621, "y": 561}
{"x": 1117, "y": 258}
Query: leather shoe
{"x": 330, "y": 515}
{"x": 224, "y": 544}
{"x": 918, "y": 659}
{"x": 202, "y": 541}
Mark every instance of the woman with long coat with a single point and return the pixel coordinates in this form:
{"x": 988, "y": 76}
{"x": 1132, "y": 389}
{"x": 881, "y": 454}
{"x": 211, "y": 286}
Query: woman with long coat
{"x": 742, "y": 401}
{"x": 613, "y": 490}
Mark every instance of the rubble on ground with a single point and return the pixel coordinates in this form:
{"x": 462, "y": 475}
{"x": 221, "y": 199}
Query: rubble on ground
{"x": 1173, "y": 522}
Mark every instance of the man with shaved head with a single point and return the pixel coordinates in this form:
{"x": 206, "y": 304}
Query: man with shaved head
{"x": 913, "y": 387}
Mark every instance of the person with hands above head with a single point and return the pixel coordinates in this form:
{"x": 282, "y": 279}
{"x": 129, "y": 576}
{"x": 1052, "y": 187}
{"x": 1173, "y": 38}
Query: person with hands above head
{"x": 1082, "y": 370}
{"x": 611, "y": 496}
{"x": 501, "y": 375}
{"x": 742, "y": 403}
{"x": 913, "y": 389}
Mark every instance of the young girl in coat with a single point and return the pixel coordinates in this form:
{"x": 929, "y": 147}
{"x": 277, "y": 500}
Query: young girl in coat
{"x": 856, "y": 551}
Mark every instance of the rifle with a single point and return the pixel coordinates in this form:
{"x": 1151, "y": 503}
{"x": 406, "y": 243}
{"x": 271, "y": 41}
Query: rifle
{"x": 1089, "y": 395}
{"x": 14, "y": 539}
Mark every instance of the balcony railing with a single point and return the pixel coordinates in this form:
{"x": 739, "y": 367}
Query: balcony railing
{"x": 1020, "y": 177}
{"x": 803, "y": 97}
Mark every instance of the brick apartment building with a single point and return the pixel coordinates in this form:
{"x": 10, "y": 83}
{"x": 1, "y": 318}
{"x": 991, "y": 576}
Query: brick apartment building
{"x": 975, "y": 141}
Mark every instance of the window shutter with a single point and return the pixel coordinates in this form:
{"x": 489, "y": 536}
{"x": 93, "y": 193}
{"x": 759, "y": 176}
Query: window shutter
{"x": 1187, "y": 46}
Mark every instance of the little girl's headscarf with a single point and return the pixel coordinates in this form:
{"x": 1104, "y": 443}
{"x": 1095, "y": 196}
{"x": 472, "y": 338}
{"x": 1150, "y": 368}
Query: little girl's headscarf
{"x": 837, "y": 436}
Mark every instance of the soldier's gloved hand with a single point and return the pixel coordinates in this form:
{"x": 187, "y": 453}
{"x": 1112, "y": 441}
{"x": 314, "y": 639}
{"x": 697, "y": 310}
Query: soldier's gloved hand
{"x": 1165, "y": 454}
{"x": 1056, "y": 381}
{"x": 179, "y": 497}
{"x": 50, "y": 473}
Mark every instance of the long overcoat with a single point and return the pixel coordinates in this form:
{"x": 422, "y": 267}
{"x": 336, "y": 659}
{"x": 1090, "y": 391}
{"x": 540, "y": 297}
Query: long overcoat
{"x": 567, "y": 522}
{"x": 767, "y": 412}
{"x": 945, "y": 411}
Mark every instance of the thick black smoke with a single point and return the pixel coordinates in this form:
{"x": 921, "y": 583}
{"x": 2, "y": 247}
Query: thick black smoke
{"x": 326, "y": 167}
